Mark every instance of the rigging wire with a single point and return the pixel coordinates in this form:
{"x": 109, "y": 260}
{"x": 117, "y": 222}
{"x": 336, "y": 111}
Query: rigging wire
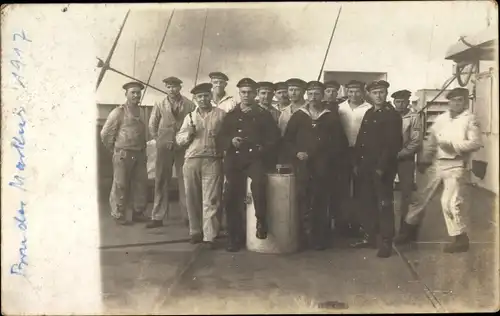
{"x": 201, "y": 48}
{"x": 158, "y": 54}
{"x": 329, "y": 43}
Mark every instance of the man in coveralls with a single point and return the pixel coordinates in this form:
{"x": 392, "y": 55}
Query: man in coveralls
{"x": 375, "y": 165}
{"x": 454, "y": 136}
{"x": 313, "y": 139}
{"x": 165, "y": 121}
{"x": 202, "y": 166}
{"x": 281, "y": 94}
{"x": 248, "y": 134}
{"x": 412, "y": 138}
{"x": 124, "y": 134}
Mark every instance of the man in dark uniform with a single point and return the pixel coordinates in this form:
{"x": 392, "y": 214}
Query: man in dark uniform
{"x": 247, "y": 135}
{"x": 265, "y": 93}
{"x": 313, "y": 139}
{"x": 375, "y": 166}
{"x": 331, "y": 91}
{"x": 281, "y": 94}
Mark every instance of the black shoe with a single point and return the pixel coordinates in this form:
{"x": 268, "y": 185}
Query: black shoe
{"x": 122, "y": 221}
{"x": 233, "y": 246}
{"x": 261, "y": 230}
{"x": 460, "y": 244}
{"x": 140, "y": 218}
{"x": 407, "y": 234}
{"x": 366, "y": 242}
{"x": 196, "y": 239}
{"x": 385, "y": 249}
{"x": 154, "y": 224}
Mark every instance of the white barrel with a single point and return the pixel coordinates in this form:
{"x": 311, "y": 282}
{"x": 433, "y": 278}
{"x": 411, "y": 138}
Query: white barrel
{"x": 282, "y": 217}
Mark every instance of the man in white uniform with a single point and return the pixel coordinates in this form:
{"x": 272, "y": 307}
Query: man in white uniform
{"x": 220, "y": 98}
{"x": 454, "y": 135}
{"x": 351, "y": 114}
{"x": 202, "y": 166}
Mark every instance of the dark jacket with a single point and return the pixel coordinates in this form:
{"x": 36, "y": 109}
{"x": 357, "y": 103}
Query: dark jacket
{"x": 259, "y": 131}
{"x": 379, "y": 140}
{"x": 322, "y": 139}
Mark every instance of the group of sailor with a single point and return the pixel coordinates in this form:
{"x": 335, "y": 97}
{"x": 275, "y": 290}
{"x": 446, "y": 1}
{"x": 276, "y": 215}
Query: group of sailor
{"x": 344, "y": 155}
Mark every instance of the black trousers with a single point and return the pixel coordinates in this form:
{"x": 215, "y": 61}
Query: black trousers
{"x": 235, "y": 193}
{"x": 375, "y": 195}
{"x": 345, "y": 206}
{"x": 313, "y": 195}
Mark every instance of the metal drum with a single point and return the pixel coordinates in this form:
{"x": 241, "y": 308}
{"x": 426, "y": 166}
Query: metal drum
{"x": 282, "y": 216}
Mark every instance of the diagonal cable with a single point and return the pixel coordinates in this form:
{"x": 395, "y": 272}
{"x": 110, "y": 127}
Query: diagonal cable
{"x": 158, "y": 54}
{"x": 329, "y": 44}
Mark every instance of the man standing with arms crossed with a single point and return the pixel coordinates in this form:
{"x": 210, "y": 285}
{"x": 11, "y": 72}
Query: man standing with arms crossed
{"x": 351, "y": 114}
{"x": 164, "y": 123}
{"x": 412, "y": 133}
{"x": 265, "y": 93}
{"x": 454, "y": 136}
{"x": 202, "y": 166}
{"x": 124, "y": 134}
{"x": 375, "y": 165}
{"x": 247, "y": 135}
{"x": 281, "y": 94}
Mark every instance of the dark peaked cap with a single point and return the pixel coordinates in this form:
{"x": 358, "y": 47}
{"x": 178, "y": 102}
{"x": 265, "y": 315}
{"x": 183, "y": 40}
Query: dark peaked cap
{"x": 246, "y": 82}
{"x": 132, "y": 84}
{"x": 377, "y": 84}
{"x": 265, "y": 84}
{"x": 401, "y": 94}
{"x": 280, "y": 86}
{"x": 457, "y": 92}
{"x": 315, "y": 85}
{"x": 355, "y": 84}
{"x": 172, "y": 80}
{"x": 296, "y": 82}
{"x": 202, "y": 88}
{"x": 332, "y": 84}
{"x": 218, "y": 75}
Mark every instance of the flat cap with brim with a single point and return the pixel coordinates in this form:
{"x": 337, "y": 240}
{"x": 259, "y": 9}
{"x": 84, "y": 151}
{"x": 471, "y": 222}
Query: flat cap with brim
{"x": 202, "y": 88}
{"x": 295, "y": 82}
{"x": 401, "y": 94}
{"x": 265, "y": 85}
{"x": 332, "y": 84}
{"x": 315, "y": 85}
{"x": 457, "y": 92}
{"x": 280, "y": 86}
{"x": 218, "y": 75}
{"x": 172, "y": 80}
{"x": 133, "y": 84}
{"x": 246, "y": 82}
{"x": 377, "y": 84}
{"x": 355, "y": 84}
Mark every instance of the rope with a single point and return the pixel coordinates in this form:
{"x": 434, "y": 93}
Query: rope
{"x": 201, "y": 48}
{"x": 329, "y": 43}
{"x": 158, "y": 54}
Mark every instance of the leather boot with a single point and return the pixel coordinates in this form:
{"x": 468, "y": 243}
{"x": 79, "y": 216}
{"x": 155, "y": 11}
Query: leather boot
{"x": 407, "y": 234}
{"x": 385, "y": 249}
{"x": 460, "y": 244}
{"x": 233, "y": 245}
{"x": 154, "y": 224}
{"x": 196, "y": 239}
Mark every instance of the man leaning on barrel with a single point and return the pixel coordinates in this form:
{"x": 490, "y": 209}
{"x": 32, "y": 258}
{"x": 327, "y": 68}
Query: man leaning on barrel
{"x": 313, "y": 138}
{"x": 247, "y": 136}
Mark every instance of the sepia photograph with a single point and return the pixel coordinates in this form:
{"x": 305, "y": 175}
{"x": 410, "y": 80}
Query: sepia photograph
{"x": 253, "y": 158}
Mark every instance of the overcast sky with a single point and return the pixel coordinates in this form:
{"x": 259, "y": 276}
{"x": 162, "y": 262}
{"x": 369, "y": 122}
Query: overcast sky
{"x": 408, "y": 40}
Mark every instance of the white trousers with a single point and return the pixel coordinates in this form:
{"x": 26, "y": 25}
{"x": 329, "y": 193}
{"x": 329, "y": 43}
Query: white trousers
{"x": 203, "y": 183}
{"x": 450, "y": 173}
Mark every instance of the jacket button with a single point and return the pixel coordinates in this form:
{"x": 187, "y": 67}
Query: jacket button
{"x": 250, "y": 149}
{"x": 239, "y": 131}
{"x": 237, "y": 151}
{"x": 361, "y": 157}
